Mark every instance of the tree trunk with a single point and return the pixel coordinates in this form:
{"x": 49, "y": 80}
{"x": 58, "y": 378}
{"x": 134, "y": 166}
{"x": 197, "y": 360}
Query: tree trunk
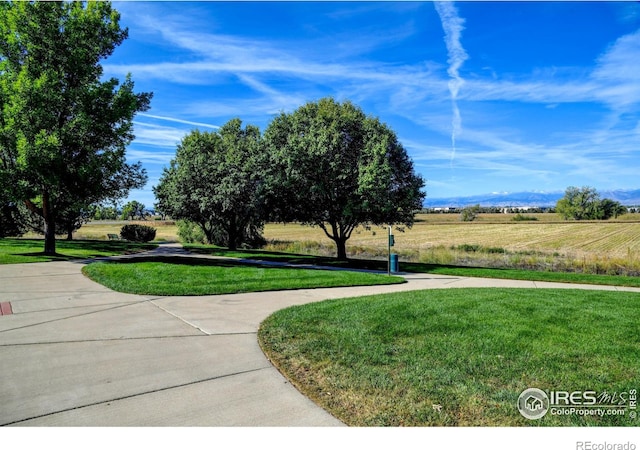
{"x": 341, "y": 245}
{"x": 232, "y": 235}
{"x": 49, "y": 237}
{"x": 208, "y": 232}
{"x": 49, "y": 225}
{"x": 338, "y": 237}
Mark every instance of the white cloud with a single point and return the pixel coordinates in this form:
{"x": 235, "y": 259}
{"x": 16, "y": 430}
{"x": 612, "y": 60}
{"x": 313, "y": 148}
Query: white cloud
{"x": 274, "y": 100}
{"x": 617, "y": 72}
{"x": 173, "y": 119}
{"x": 279, "y": 75}
{"x": 150, "y": 156}
{"x": 157, "y": 135}
{"x": 453, "y": 26}
{"x": 612, "y": 82}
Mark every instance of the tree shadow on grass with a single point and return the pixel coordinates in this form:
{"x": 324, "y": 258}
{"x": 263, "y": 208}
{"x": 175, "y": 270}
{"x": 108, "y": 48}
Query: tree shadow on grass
{"x": 352, "y": 263}
{"x": 46, "y": 257}
{"x": 89, "y": 248}
{"x": 255, "y": 254}
{"x": 289, "y": 258}
{"x": 195, "y": 261}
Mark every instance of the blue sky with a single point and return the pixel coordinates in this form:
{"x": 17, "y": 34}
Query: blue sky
{"x": 485, "y": 96}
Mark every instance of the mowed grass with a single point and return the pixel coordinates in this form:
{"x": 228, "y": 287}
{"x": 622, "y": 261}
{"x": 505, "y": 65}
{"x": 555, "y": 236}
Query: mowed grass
{"x": 457, "y": 357}
{"x": 527, "y": 275}
{"x": 16, "y": 251}
{"x": 194, "y": 276}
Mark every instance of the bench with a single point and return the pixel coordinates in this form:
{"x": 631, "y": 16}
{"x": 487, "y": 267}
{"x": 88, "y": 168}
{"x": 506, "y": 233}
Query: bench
{"x": 113, "y": 237}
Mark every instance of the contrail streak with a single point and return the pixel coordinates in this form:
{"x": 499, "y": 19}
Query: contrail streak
{"x": 172, "y": 119}
{"x": 452, "y": 25}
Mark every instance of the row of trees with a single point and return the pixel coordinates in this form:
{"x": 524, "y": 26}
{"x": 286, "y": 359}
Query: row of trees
{"x": 63, "y": 130}
{"x": 132, "y": 210}
{"x": 16, "y": 218}
{"x": 326, "y": 164}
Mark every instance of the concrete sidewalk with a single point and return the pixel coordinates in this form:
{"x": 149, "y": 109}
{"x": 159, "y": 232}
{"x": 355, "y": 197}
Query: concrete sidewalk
{"x": 74, "y": 353}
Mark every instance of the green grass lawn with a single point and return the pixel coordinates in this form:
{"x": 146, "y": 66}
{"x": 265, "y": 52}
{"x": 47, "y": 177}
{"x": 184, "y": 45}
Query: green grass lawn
{"x": 16, "y": 251}
{"x": 194, "y": 276}
{"x": 457, "y": 357}
{"x": 529, "y": 275}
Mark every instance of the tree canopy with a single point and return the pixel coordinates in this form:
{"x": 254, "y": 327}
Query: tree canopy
{"x": 64, "y": 131}
{"x": 334, "y": 167}
{"x": 585, "y": 204}
{"x": 132, "y": 210}
{"x": 215, "y": 181}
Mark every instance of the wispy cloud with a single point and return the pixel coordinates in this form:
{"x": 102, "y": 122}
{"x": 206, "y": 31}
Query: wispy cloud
{"x": 212, "y": 76}
{"x": 210, "y": 58}
{"x": 274, "y": 100}
{"x": 617, "y": 72}
{"x": 173, "y": 119}
{"x": 403, "y": 87}
{"x": 157, "y": 135}
{"x": 453, "y": 26}
{"x": 150, "y": 156}
{"x": 612, "y": 82}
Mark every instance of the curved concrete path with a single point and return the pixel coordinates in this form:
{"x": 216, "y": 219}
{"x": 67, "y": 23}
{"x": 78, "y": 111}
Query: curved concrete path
{"x": 75, "y": 353}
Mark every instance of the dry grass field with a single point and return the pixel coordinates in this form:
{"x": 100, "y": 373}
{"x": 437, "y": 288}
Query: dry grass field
{"x": 547, "y": 235}
{"x": 165, "y": 230}
{"x": 492, "y": 239}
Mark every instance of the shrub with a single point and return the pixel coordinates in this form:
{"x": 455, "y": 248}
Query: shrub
{"x": 522, "y": 218}
{"x": 471, "y": 248}
{"x": 477, "y": 248}
{"x": 470, "y": 213}
{"x": 138, "y": 233}
{"x": 190, "y": 232}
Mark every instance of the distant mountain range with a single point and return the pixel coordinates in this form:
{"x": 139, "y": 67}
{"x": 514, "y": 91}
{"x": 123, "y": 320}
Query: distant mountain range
{"x": 541, "y": 199}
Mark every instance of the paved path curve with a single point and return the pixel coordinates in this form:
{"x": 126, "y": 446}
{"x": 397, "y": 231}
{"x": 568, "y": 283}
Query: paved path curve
{"x": 75, "y": 353}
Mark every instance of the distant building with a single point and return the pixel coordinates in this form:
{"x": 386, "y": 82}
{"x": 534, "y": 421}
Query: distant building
{"x": 443, "y": 210}
{"x": 512, "y": 209}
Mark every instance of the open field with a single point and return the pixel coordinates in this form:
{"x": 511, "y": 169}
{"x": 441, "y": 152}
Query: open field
{"x": 494, "y": 240}
{"x": 616, "y": 239}
{"x": 166, "y": 230}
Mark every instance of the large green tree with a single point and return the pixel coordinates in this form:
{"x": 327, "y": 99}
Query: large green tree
{"x": 132, "y": 210}
{"x": 585, "y": 204}
{"x": 334, "y": 167}
{"x": 611, "y": 208}
{"x": 64, "y": 130}
{"x": 579, "y": 203}
{"x": 12, "y": 216}
{"x": 215, "y": 181}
